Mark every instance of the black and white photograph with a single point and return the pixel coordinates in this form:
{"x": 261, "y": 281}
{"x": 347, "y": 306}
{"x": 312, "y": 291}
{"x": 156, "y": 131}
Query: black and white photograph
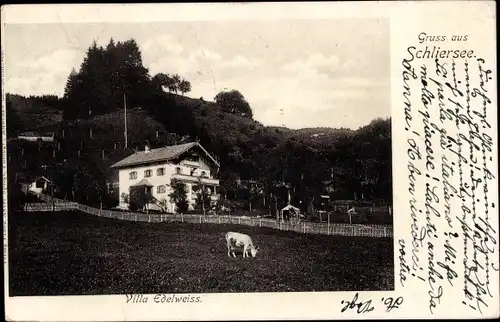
{"x": 188, "y": 157}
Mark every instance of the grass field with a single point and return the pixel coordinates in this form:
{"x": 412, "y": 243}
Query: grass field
{"x": 73, "y": 253}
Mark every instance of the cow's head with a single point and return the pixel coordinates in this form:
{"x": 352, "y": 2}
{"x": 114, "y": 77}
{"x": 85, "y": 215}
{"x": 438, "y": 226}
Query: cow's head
{"x": 254, "y": 250}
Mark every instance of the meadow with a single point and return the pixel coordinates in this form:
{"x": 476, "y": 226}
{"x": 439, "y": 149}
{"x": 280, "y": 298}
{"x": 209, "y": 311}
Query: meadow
{"x": 70, "y": 253}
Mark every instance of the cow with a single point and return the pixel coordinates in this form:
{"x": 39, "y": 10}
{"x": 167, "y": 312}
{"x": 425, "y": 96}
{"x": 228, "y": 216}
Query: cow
{"x": 240, "y": 240}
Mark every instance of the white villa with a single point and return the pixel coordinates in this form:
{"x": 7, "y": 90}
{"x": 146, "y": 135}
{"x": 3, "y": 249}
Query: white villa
{"x": 155, "y": 168}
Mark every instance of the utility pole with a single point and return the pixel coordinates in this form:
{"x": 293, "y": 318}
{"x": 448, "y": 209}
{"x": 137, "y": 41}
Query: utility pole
{"x": 51, "y": 185}
{"x": 125, "y": 106}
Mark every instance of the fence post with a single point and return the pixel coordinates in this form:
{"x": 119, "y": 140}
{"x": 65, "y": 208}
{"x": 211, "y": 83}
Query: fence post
{"x": 260, "y": 224}
{"x": 182, "y": 217}
{"x": 200, "y": 219}
{"x": 149, "y": 218}
{"x": 218, "y": 218}
{"x": 385, "y": 233}
{"x": 239, "y": 220}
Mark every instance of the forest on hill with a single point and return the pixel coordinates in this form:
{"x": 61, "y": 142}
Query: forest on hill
{"x": 88, "y": 121}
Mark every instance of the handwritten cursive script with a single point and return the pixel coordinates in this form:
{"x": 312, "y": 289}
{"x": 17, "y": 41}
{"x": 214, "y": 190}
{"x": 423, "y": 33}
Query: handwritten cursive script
{"x": 450, "y": 175}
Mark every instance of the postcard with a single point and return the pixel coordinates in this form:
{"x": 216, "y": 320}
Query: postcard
{"x": 250, "y": 161}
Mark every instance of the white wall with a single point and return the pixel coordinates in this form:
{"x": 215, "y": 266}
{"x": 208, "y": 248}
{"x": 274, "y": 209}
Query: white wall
{"x": 32, "y": 187}
{"x": 36, "y": 138}
{"x": 170, "y": 169}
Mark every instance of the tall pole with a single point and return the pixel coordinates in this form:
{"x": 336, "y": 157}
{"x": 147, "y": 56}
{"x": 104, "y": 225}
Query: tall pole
{"x": 328, "y": 224}
{"x": 125, "y": 106}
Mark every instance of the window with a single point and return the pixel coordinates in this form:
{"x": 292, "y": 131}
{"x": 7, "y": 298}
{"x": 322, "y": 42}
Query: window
{"x": 147, "y": 173}
{"x": 40, "y": 184}
{"x": 160, "y": 172}
{"x": 178, "y": 170}
{"x": 203, "y": 174}
{"x": 133, "y": 175}
{"x": 160, "y": 189}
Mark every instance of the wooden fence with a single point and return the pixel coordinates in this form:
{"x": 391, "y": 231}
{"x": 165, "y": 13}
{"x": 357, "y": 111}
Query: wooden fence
{"x": 54, "y": 204}
{"x": 44, "y": 206}
{"x": 363, "y": 209}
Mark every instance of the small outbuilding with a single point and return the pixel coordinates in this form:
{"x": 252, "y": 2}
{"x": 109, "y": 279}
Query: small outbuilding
{"x": 36, "y": 184}
{"x": 290, "y": 213}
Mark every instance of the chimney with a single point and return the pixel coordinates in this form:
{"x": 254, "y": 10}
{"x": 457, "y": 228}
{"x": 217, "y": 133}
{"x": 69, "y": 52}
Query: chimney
{"x": 146, "y": 148}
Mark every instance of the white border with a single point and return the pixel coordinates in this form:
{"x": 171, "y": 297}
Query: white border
{"x": 407, "y": 19}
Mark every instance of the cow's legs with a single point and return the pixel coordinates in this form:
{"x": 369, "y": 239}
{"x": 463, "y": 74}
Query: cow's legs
{"x": 245, "y": 251}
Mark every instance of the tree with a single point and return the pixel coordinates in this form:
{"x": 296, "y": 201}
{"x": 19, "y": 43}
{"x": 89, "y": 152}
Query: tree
{"x": 233, "y": 102}
{"x": 125, "y": 198}
{"x": 139, "y": 198}
{"x": 161, "y": 81}
{"x": 106, "y": 74}
{"x": 72, "y": 79}
{"x": 88, "y": 183}
{"x": 227, "y": 182}
{"x": 254, "y": 192}
{"x": 184, "y": 86}
{"x": 179, "y": 195}
{"x": 203, "y": 201}
{"x": 14, "y": 123}
{"x": 174, "y": 83}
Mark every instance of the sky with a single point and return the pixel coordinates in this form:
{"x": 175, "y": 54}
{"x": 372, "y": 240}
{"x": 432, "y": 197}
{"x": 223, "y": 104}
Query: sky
{"x": 294, "y": 73}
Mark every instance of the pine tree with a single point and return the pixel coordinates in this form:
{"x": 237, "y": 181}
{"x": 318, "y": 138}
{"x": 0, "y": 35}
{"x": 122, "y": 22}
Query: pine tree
{"x": 106, "y": 74}
{"x": 72, "y": 78}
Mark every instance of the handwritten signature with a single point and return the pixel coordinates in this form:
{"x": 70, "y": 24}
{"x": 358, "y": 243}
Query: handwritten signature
{"x": 366, "y": 306}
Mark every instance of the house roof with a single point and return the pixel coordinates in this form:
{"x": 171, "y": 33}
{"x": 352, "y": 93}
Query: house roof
{"x": 143, "y": 182}
{"x": 36, "y": 134}
{"x": 160, "y": 154}
{"x": 30, "y": 178}
{"x": 290, "y": 207}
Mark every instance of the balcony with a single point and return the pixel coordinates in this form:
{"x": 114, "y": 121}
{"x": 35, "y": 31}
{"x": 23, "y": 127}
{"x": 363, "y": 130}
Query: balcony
{"x": 195, "y": 179}
{"x": 189, "y": 163}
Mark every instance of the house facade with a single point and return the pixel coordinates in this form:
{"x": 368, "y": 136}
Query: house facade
{"x": 34, "y": 184}
{"x": 154, "y": 169}
{"x": 36, "y": 136}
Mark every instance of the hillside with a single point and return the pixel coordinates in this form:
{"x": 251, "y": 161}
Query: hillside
{"x": 85, "y": 148}
{"x": 33, "y": 113}
{"x": 89, "y": 126}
